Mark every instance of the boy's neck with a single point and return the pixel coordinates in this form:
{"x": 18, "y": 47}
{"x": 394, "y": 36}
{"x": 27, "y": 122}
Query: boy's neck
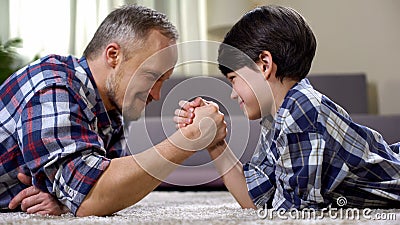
{"x": 279, "y": 90}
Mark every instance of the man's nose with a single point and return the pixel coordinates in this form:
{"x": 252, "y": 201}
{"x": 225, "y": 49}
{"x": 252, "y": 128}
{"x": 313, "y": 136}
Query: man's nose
{"x": 155, "y": 91}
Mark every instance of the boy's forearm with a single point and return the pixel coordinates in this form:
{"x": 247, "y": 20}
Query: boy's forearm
{"x": 231, "y": 170}
{"x": 129, "y": 179}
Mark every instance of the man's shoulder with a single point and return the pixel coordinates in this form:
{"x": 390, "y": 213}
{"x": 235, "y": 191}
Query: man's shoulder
{"x": 47, "y": 72}
{"x": 55, "y": 69}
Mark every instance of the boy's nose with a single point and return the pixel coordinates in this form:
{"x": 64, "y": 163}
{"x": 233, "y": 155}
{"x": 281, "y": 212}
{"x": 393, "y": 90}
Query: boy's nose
{"x": 234, "y": 94}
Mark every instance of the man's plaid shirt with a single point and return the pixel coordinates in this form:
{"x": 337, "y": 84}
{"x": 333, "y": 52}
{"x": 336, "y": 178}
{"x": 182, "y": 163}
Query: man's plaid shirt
{"x": 312, "y": 153}
{"x": 55, "y": 128}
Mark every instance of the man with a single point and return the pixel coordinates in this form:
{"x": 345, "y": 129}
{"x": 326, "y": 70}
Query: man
{"x": 60, "y": 120}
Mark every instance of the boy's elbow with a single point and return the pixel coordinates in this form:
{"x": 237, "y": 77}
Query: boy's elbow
{"x": 248, "y": 206}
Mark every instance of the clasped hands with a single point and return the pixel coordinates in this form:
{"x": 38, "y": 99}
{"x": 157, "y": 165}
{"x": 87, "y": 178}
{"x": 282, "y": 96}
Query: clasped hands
{"x": 206, "y": 122}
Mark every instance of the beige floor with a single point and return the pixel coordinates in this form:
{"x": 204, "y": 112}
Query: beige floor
{"x": 190, "y": 208}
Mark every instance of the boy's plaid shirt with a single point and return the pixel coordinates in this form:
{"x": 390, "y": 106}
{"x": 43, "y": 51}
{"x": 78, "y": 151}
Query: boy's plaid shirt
{"x": 55, "y": 128}
{"x": 312, "y": 153}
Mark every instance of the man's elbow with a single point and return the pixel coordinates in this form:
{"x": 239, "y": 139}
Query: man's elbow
{"x": 87, "y": 209}
{"x": 82, "y": 212}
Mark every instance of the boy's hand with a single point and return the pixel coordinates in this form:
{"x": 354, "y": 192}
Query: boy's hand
{"x": 33, "y": 200}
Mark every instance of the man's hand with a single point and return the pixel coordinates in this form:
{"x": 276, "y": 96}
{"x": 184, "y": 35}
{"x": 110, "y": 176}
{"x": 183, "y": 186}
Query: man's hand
{"x": 197, "y": 110}
{"x": 33, "y": 200}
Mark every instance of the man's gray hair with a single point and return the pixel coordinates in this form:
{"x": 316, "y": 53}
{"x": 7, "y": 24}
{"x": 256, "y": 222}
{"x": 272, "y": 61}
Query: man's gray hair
{"x": 127, "y": 26}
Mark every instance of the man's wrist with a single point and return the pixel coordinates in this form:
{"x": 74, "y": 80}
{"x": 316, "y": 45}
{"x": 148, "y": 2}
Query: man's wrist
{"x": 218, "y": 148}
{"x": 185, "y": 139}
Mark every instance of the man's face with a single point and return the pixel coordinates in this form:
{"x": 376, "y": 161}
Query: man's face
{"x": 138, "y": 80}
{"x": 252, "y": 92}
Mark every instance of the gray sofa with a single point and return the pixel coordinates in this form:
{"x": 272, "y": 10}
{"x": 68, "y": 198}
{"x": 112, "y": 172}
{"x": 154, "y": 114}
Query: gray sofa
{"x": 349, "y": 90}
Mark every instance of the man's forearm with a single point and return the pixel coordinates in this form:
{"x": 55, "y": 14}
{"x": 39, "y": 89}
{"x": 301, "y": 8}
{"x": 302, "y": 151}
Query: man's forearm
{"x": 231, "y": 170}
{"x": 129, "y": 179}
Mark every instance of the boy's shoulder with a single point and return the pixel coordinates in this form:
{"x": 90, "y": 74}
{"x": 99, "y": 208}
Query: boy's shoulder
{"x": 303, "y": 107}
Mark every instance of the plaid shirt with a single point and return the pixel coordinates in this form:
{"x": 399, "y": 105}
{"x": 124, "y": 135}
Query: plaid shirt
{"x": 55, "y": 128}
{"x": 311, "y": 153}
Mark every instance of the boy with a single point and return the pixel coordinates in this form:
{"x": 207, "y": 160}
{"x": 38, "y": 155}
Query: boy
{"x": 311, "y": 152}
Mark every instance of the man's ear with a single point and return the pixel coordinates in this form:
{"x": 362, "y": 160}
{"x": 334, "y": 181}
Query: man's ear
{"x": 113, "y": 54}
{"x": 265, "y": 61}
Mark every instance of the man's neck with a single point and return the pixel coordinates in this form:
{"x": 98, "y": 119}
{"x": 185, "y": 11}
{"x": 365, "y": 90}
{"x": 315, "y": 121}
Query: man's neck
{"x": 99, "y": 72}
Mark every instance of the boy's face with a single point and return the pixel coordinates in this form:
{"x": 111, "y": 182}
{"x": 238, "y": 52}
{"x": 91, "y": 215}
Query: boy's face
{"x": 252, "y": 92}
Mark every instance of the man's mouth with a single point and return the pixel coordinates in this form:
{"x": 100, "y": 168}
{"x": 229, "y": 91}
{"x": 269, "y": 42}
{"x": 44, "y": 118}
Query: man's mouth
{"x": 144, "y": 97}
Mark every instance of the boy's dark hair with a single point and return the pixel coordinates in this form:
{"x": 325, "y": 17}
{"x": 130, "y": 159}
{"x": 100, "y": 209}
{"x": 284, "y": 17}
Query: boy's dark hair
{"x": 281, "y": 31}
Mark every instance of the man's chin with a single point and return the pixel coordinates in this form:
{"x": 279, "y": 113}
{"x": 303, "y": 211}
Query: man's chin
{"x": 132, "y": 118}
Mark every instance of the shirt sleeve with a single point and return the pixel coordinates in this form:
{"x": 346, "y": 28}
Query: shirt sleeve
{"x": 60, "y": 148}
{"x": 287, "y": 172}
{"x": 395, "y": 147}
{"x": 260, "y": 176}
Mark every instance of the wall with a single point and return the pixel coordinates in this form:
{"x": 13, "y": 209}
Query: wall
{"x": 4, "y": 20}
{"x": 353, "y": 36}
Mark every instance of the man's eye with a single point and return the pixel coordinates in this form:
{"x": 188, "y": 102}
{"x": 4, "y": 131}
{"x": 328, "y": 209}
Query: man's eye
{"x": 151, "y": 76}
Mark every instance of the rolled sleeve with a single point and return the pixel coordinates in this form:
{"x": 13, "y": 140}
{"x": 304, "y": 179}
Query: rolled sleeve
{"x": 60, "y": 146}
{"x": 76, "y": 178}
{"x": 260, "y": 183}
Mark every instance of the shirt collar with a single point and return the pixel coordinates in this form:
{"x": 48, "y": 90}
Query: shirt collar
{"x": 267, "y": 121}
{"x": 303, "y": 83}
{"x": 105, "y": 118}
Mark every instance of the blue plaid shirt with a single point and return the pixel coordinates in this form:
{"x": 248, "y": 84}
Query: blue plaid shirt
{"x": 311, "y": 153}
{"x": 55, "y": 128}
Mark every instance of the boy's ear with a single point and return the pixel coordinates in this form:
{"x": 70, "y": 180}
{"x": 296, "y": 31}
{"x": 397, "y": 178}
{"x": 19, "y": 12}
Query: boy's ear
{"x": 265, "y": 61}
{"x": 113, "y": 54}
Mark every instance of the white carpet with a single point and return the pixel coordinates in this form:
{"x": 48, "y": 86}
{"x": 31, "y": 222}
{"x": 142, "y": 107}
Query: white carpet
{"x": 188, "y": 208}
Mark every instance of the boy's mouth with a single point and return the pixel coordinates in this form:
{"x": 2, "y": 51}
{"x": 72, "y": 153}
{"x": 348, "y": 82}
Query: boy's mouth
{"x": 241, "y": 104}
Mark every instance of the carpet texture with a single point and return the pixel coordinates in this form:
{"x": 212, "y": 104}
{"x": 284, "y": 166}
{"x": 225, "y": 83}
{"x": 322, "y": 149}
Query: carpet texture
{"x": 194, "y": 208}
